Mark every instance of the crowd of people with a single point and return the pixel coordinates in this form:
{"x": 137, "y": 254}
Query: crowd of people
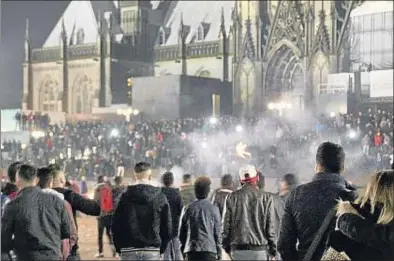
{"x": 92, "y": 149}
{"x": 324, "y": 219}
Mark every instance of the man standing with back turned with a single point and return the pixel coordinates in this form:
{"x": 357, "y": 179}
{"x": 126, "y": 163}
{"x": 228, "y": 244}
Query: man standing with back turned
{"x": 142, "y": 225}
{"x": 307, "y": 205}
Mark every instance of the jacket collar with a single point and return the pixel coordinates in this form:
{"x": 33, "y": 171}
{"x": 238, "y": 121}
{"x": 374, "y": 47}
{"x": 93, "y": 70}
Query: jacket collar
{"x": 333, "y": 177}
{"x": 224, "y": 190}
{"x": 28, "y": 189}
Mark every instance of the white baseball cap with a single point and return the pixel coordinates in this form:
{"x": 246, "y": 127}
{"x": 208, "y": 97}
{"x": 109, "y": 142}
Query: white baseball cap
{"x": 247, "y": 169}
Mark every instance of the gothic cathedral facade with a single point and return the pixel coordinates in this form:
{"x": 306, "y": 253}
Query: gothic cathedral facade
{"x": 269, "y": 50}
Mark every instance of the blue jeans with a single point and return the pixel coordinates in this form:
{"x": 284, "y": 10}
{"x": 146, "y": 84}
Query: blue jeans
{"x": 173, "y": 250}
{"x": 140, "y": 254}
{"x": 249, "y": 255}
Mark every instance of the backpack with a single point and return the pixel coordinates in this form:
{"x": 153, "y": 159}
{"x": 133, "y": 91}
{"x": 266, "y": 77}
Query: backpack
{"x": 106, "y": 199}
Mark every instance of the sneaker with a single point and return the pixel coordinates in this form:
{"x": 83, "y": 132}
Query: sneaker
{"x": 99, "y": 255}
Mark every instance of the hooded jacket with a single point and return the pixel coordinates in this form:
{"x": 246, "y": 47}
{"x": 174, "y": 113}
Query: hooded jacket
{"x": 142, "y": 219}
{"x": 68, "y": 243}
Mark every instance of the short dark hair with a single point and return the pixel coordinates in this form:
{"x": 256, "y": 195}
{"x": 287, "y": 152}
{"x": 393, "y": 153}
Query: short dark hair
{"x": 27, "y": 172}
{"x": 100, "y": 179}
{"x": 12, "y": 170}
{"x": 227, "y": 180}
{"x": 142, "y": 167}
{"x": 167, "y": 179}
{"x": 202, "y": 187}
{"x": 118, "y": 180}
{"x": 331, "y": 157}
{"x": 291, "y": 179}
{"x": 45, "y": 177}
{"x": 186, "y": 178}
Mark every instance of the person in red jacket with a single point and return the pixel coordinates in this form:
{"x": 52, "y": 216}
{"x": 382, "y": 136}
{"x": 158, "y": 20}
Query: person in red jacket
{"x": 378, "y": 139}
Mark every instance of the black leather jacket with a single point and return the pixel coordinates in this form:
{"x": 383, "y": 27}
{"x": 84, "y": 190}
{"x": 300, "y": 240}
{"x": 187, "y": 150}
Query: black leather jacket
{"x": 218, "y": 198}
{"x": 248, "y": 222}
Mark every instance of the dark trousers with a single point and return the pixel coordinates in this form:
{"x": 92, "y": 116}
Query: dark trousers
{"x": 201, "y": 256}
{"x": 104, "y": 222}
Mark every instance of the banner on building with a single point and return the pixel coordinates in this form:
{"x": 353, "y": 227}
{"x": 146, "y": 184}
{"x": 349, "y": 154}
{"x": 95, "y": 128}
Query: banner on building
{"x": 381, "y": 83}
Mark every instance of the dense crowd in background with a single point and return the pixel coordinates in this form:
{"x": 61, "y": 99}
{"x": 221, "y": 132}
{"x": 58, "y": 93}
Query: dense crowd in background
{"x": 326, "y": 218}
{"x": 91, "y": 149}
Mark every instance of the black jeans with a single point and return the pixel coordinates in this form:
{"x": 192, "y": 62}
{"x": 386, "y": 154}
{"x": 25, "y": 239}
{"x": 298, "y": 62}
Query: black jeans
{"x": 104, "y": 222}
{"x": 201, "y": 256}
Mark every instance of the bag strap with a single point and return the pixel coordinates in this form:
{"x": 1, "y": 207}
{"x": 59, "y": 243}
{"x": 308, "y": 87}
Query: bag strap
{"x": 319, "y": 235}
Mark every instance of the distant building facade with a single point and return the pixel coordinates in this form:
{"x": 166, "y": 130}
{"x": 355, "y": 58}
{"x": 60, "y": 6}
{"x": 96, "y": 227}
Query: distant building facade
{"x": 269, "y": 50}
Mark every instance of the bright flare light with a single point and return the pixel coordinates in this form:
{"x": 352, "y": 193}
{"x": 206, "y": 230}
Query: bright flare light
{"x": 213, "y": 120}
{"x": 332, "y": 114}
{"x": 271, "y": 106}
{"x": 38, "y": 134}
{"x": 352, "y": 134}
{"x": 204, "y": 145}
{"x": 239, "y": 128}
{"x": 114, "y": 133}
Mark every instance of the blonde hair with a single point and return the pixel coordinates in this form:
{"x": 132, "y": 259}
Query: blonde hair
{"x": 380, "y": 189}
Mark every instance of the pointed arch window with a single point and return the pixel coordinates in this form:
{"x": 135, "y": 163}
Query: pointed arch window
{"x": 162, "y": 37}
{"x": 200, "y": 33}
{"x": 80, "y": 36}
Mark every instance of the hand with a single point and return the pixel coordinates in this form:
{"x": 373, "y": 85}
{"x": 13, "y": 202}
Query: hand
{"x": 345, "y": 207}
{"x": 273, "y": 258}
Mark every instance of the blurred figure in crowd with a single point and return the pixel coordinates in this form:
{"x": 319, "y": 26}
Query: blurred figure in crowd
{"x": 187, "y": 191}
{"x": 103, "y": 195}
{"x": 248, "y": 228}
{"x": 286, "y": 185}
{"x": 173, "y": 251}
{"x": 219, "y": 196}
{"x": 117, "y": 189}
{"x": 77, "y": 202}
{"x": 368, "y": 225}
{"x": 142, "y": 225}
{"x": 10, "y": 189}
{"x": 307, "y": 205}
{"x": 45, "y": 182}
{"x": 33, "y": 214}
{"x": 199, "y": 231}
{"x": 84, "y": 186}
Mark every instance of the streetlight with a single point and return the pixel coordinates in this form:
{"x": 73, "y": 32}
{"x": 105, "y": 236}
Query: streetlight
{"x": 279, "y": 106}
{"x": 127, "y": 112}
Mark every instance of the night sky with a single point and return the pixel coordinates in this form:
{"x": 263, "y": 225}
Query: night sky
{"x": 43, "y": 16}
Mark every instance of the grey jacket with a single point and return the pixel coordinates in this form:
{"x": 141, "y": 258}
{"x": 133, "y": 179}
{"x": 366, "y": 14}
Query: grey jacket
{"x": 200, "y": 228}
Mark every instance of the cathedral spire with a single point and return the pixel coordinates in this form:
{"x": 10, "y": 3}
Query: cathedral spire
{"x": 27, "y": 30}
{"x": 64, "y": 32}
{"x": 222, "y": 21}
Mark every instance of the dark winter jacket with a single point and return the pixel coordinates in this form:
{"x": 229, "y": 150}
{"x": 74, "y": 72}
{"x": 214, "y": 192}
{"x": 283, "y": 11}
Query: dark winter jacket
{"x": 142, "y": 219}
{"x": 39, "y": 222}
{"x": 176, "y": 204}
{"x": 305, "y": 209}
{"x": 362, "y": 238}
{"x": 9, "y": 188}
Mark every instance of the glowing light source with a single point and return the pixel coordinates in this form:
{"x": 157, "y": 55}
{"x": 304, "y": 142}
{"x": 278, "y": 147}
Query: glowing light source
{"x": 38, "y": 134}
{"x": 352, "y": 134}
{"x": 114, "y": 133}
{"x": 213, "y": 120}
{"x": 204, "y": 145}
{"x": 332, "y": 114}
{"x": 239, "y": 128}
{"x": 23, "y": 146}
{"x": 241, "y": 152}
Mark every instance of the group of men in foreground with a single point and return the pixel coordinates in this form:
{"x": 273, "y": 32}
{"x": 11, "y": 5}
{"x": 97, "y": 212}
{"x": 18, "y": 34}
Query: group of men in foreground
{"x": 147, "y": 222}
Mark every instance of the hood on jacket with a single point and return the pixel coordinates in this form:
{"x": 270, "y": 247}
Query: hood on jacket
{"x": 53, "y": 192}
{"x": 9, "y": 188}
{"x": 142, "y": 193}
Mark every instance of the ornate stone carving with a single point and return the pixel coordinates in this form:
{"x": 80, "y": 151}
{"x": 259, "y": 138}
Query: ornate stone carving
{"x": 83, "y": 93}
{"x": 322, "y": 38}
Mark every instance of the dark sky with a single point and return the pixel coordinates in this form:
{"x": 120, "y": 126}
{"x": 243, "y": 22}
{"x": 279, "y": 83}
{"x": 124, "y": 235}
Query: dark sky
{"x": 43, "y": 16}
